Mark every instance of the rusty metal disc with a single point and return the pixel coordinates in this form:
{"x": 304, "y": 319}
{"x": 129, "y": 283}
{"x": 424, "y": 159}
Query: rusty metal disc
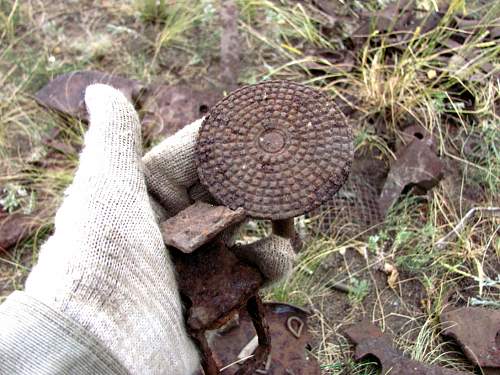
{"x": 278, "y": 149}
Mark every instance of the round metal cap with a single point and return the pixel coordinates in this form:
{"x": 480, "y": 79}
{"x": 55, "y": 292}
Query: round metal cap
{"x": 278, "y": 149}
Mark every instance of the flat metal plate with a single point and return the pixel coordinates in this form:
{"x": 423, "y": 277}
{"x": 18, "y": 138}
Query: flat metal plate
{"x": 198, "y": 224}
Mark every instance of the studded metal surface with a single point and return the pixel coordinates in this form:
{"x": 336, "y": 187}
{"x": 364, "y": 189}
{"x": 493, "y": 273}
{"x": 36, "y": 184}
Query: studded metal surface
{"x": 278, "y": 149}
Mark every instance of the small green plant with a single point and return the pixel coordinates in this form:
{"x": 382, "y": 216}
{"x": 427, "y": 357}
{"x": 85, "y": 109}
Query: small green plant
{"x": 151, "y": 11}
{"x": 13, "y": 197}
{"x": 16, "y": 197}
{"x": 358, "y": 291}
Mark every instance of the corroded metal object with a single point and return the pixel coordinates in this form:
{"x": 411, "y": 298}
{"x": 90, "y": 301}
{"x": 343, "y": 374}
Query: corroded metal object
{"x": 66, "y": 92}
{"x": 289, "y": 336}
{"x": 14, "y": 228}
{"x": 371, "y": 341}
{"x": 198, "y": 224}
{"x": 477, "y": 330}
{"x": 164, "y": 109}
{"x": 214, "y": 293}
{"x": 214, "y": 290}
{"x": 416, "y": 165}
{"x": 277, "y": 149}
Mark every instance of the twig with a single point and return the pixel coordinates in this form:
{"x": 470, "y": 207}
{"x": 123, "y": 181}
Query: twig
{"x": 491, "y": 211}
{"x": 340, "y": 287}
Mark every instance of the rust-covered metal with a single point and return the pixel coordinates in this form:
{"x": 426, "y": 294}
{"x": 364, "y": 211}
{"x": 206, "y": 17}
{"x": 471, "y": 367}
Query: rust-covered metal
{"x": 215, "y": 284}
{"x": 289, "y": 340}
{"x": 477, "y": 330}
{"x": 65, "y": 93}
{"x": 14, "y": 228}
{"x": 278, "y": 149}
{"x": 416, "y": 165}
{"x": 216, "y": 291}
{"x": 371, "y": 341}
{"x": 230, "y": 44}
{"x": 164, "y": 109}
{"x": 198, "y": 224}
{"x": 257, "y": 313}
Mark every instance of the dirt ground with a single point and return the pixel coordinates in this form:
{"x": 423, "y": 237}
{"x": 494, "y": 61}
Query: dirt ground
{"x": 436, "y": 66}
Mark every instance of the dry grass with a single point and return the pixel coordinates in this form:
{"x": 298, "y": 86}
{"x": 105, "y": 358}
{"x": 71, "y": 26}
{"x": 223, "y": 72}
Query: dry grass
{"x": 179, "y": 42}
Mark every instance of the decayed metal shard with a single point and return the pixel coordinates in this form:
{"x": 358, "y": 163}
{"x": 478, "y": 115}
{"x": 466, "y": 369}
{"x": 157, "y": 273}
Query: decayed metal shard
{"x": 167, "y": 108}
{"x": 416, "y": 164}
{"x": 215, "y": 283}
{"x": 371, "y": 341}
{"x": 278, "y": 149}
{"x": 198, "y": 224}
{"x": 65, "y": 93}
{"x": 164, "y": 109}
{"x": 289, "y": 340}
{"x": 13, "y": 229}
{"x": 477, "y": 330}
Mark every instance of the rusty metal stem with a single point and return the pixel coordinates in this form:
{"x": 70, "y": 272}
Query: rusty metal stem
{"x": 284, "y": 228}
{"x": 207, "y": 360}
{"x": 256, "y": 311}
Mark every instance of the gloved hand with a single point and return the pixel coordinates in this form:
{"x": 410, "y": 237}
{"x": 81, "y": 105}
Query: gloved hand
{"x": 106, "y": 265}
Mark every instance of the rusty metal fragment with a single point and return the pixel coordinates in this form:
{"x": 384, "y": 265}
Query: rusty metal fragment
{"x": 277, "y": 149}
{"x": 289, "y": 340}
{"x": 400, "y": 19}
{"x": 416, "y": 165}
{"x": 165, "y": 109}
{"x": 13, "y": 229}
{"x": 198, "y": 224}
{"x": 370, "y": 341}
{"x": 477, "y": 330}
{"x": 65, "y": 93}
{"x": 230, "y": 45}
{"x": 261, "y": 355}
{"x": 215, "y": 284}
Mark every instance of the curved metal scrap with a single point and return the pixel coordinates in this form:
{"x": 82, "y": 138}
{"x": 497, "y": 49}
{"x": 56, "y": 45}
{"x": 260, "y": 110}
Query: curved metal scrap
{"x": 477, "y": 330}
{"x": 371, "y": 341}
{"x": 164, "y": 108}
{"x": 289, "y": 339}
{"x": 215, "y": 285}
{"x": 416, "y": 164}
{"x": 167, "y": 108}
{"x": 65, "y": 93}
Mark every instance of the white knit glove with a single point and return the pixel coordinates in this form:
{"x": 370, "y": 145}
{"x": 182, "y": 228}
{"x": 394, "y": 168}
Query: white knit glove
{"x": 106, "y": 265}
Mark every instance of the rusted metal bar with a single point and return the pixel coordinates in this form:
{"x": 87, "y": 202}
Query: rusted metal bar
{"x": 256, "y": 312}
{"x": 207, "y": 360}
{"x": 284, "y": 228}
